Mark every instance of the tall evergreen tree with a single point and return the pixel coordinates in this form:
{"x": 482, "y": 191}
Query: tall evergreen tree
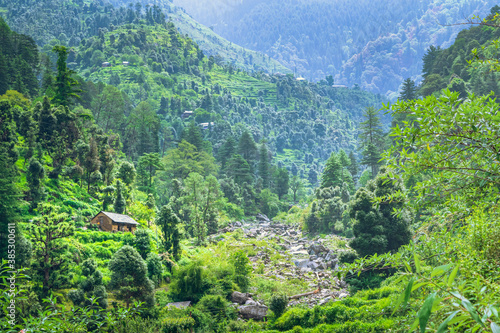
{"x": 239, "y": 170}
{"x": 91, "y": 286}
{"x": 226, "y": 151}
{"x": 332, "y": 174}
{"x": 281, "y": 182}
{"x": 372, "y": 139}
{"x": 47, "y": 232}
{"x": 129, "y": 277}
{"x": 353, "y": 167}
{"x": 376, "y": 228}
{"x": 64, "y": 87}
{"x": 119, "y": 204}
{"x": 409, "y": 90}
{"x": 169, "y": 224}
{"x": 264, "y": 166}
{"x": 35, "y": 178}
{"x": 192, "y": 134}
{"x": 247, "y": 148}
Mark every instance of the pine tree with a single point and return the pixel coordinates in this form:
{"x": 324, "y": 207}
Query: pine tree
{"x": 409, "y": 91}
{"x": 64, "y": 87}
{"x": 376, "y": 228}
{"x": 281, "y": 181}
{"x": 47, "y": 231}
{"x": 264, "y": 165}
{"x": 353, "y": 167}
{"x": 247, "y": 148}
{"x": 371, "y": 139}
{"x": 192, "y": 134}
{"x": 343, "y": 158}
{"x": 169, "y": 225}
{"x": 91, "y": 163}
{"x": 35, "y": 178}
{"x": 226, "y": 151}
{"x": 238, "y": 169}
{"x": 119, "y": 204}
{"x": 332, "y": 174}
{"x": 129, "y": 277}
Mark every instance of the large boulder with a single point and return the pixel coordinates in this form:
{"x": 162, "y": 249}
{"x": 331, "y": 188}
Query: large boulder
{"x": 317, "y": 248}
{"x": 257, "y": 312}
{"x": 302, "y": 263}
{"x": 240, "y": 298}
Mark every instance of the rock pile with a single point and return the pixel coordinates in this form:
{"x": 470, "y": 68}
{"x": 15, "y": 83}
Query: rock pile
{"x": 307, "y": 260}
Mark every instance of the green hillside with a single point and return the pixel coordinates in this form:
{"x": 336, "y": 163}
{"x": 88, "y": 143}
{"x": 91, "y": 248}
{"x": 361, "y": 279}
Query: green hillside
{"x": 171, "y": 73}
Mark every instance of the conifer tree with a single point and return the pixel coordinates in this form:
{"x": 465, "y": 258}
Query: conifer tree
{"x": 46, "y": 232}
{"x": 142, "y": 242}
{"x": 343, "y": 158}
{"x": 91, "y": 163}
{"x": 238, "y": 169}
{"x": 64, "y": 87}
{"x": 120, "y": 204}
{"x": 353, "y": 167}
{"x": 155, "y": 267}
{"x": 192, "y": 134}
{"x": 127, "y": 172}
{"x": 35, "y": 178}
{"x": 91, "y": 286}
{"x": 169, "y": 223}
{"x": 332, "y": 174}
{"x": 371, "y": 139}
{"x": 226, "y": 151}
{"x": 376, "y": 228}
{"x": 129, "y": 277}
{"x": 247, "y": 148}
{"x": 264, "y": 165}
{"x": 281, "y": 181}
{"x": 409, "y": 90}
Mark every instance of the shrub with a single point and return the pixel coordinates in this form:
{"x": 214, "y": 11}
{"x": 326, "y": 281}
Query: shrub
{"x": 278, "y": 304}
{"x": 188, "y": 284}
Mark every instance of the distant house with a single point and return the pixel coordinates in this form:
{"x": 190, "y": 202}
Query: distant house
{"x": 187, "y": 114}
{"x": 339, "y": 86}
{"x": 180, "y": 305}
{"x": 205, "y": 126}
{"x": 113, "y": 222}
{"x": 125, "y": 63}
{"x": 106, "y": 64}
{"x": 300, "y": 79}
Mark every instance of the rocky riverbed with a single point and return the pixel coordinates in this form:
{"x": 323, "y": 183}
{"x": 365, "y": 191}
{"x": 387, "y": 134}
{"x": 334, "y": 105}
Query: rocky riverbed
{"x": 313, "y": 261}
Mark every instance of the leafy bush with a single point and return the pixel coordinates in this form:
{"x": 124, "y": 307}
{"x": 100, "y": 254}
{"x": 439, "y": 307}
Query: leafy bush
{"x": 177, "y": 325}
{"x": 278, "y": 304}
{"x": 188, "y": 283}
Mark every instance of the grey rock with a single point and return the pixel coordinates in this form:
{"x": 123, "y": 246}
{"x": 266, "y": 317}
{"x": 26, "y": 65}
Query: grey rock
{"x": 302, "y": 263}
{"x": 240, "y": 298}
{"x": 257, "y": 312}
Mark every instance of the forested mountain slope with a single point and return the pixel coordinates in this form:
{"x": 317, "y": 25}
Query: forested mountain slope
{"x": 71, "y": 21}
{"x": 170, "y": 73}
{"x": 375, "y": 44}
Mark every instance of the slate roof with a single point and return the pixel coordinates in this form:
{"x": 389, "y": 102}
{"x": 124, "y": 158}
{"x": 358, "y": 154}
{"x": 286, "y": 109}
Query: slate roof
{"x": 180, "y": 305}
{"x": 119, "y": 218}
